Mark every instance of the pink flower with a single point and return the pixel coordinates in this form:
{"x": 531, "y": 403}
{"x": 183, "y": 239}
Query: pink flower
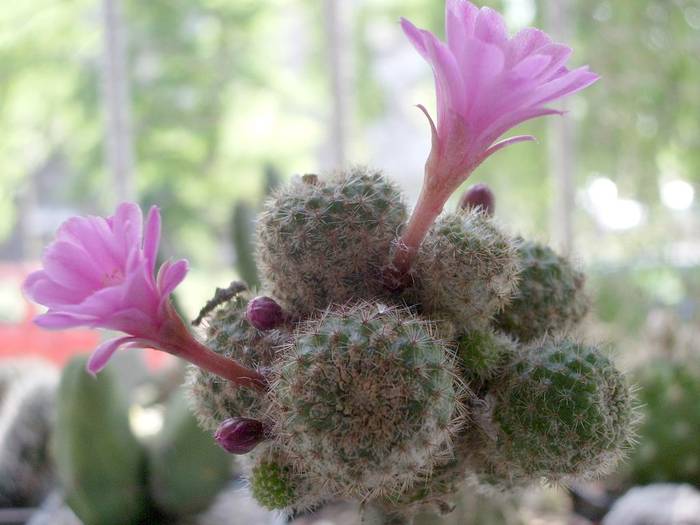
{"x": 486, "y": 83}
{"x": 100, "y": 273}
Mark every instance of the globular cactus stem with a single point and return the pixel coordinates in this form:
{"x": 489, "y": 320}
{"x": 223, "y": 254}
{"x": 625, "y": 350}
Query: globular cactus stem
{"x": 398, "y": 395}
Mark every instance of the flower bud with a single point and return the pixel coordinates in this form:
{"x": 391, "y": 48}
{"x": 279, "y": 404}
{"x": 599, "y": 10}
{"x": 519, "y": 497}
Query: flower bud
{"x": 264, "y": 313}
{"x": 239, "y": 435}
{"x": 479, "y": 196}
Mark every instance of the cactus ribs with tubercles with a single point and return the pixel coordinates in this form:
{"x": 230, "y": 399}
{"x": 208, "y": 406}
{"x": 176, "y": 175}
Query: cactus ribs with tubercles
{"x": 398, "y": 396}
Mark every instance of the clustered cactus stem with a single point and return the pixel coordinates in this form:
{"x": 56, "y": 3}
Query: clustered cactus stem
{"x": 388, "y": 360}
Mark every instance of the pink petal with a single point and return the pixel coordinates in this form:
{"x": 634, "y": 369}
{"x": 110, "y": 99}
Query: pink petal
{"x": 460, "y": 20}
{"x": 47, "y": 292}
{"x": 525, "y": 43}
{"x": 140, "y": 291}
{"x": 96, "y": 237}
{"x": 510, "y": 120}
{"x": 127, "y": 225}
{"x": 532, "y": 66}
{"x": 171, "y": 275}
{"x": 59, "y": 321}
{"x": 415, "y": 36}
{"x": 31, "y": 281}
{"x": 71, "y": 266}
{"x": 491, "y": 28}
{"x": 576, "y": 80}
{"x": 504, "y": 144}
{"x": 449, "y": 86}
{"x": 102, "y": 354}
{"x": 132, "y": 321}
{"x": 559, "y": 54}
{"x": 151, "y": 237}
{"x": 448, "y": 80}
{"x": 481, "y": 62}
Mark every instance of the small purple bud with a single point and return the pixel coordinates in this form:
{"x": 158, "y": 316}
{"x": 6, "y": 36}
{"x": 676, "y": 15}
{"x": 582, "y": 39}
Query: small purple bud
{"x": 479, "y": 196}
{"x": 264, "y": 313}
{"x": 239, "y": 435}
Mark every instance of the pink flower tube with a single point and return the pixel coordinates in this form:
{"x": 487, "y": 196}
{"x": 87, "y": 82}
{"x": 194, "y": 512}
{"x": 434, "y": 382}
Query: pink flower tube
{"x": 486, "y": 83}
{"x": 99, "y": 273}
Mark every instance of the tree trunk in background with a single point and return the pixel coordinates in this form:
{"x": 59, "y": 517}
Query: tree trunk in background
{"x": 116, "y": 102}
{"x": 337, "y": 16}
{"x": 562, "y": 144}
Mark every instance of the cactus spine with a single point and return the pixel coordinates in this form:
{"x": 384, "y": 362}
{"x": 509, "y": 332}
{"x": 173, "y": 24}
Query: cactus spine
{"x": 26, "y": 422}
{"x": 467, "y": 269}
{"x": 323, "y": 243}
{"x": 370, "y": 385}
{"x": 549, "y": 297}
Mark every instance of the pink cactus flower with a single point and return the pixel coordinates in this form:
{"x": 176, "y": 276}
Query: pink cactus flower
{"x": 486, "y": 83}
{"x": 99, "y": 273}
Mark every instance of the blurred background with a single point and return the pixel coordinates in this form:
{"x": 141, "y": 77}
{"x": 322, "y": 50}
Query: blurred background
{"x": 201, "y": 106}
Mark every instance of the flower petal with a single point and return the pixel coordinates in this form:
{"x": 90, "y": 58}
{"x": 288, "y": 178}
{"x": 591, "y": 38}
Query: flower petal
{"x": 510, "y": 120}
{"x": 151, "y": 237}
{"x": 44, "y": 291}
{"x": 71, "y": 266}
{"x": 460, "y": 20}
{"x": 572, "y": 82}
{"x": 559, "y": 55}
{"x": 102, "y": 354}
{"x": 415, "y": 36}
{"x": 127, "y": 224}
{"x": 449, "y": 86}
{"x": 171, "y": 275}
{"x": 61, "y": 320}
{"x": 504, "y": 144}
{"x": 525, "y": 43}
{"x": 491, "y": 28}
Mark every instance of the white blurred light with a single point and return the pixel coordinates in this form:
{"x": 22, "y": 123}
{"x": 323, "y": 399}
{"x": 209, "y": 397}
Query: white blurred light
{"x": 520, "y": 13}
{"x": 145, "y": 421}
{"x": 622, "y": 214}
{"x": 611, "y": 212}
{"x": 677, "y": 194}
{"x": 602, "y": 191}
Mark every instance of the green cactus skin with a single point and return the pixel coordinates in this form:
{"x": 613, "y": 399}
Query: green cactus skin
{"x": 367, "y": 399}
{"x": 562, "y": 410}
{"x": 272, "y": 484}
{"x": 669, "y": 438}
{"x": 321, "y": 243}
{"x": 466, "y": 269}
{"x": 550, "y": 295}
{"x": 100, "y": 464}
{"x": 482, "y": 354}
{"x": 26, "y": 422}
{"x": 213, "y": 399}
{"x": 186, "y": 467}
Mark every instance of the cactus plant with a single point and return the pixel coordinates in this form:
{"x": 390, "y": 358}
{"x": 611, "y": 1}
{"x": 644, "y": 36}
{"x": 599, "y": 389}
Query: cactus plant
{"x": 549, "y": 298}
{"x": 109, "y": 476}
{"x": 379, "y": 333}
{"x": 562, "y": 411}
{"x": 310, "y": 234}
{"x": 467, "y": 269}
{"x": 370, "y": 383}
{"x": 100, "y": 464}
{"x": 27, "y": 412}
{"x": 230, "y": 333}
{"x": 185, "y": 467}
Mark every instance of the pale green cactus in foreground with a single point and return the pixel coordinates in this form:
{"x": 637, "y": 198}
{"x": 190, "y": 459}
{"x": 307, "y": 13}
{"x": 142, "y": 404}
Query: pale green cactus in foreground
{"x": 398, "y": 397}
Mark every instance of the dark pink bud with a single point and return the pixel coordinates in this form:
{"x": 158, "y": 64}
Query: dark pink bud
{"x": 479, "y": 196}
{"x": 264, "y": 313}
{"x": 239, "y": 435}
